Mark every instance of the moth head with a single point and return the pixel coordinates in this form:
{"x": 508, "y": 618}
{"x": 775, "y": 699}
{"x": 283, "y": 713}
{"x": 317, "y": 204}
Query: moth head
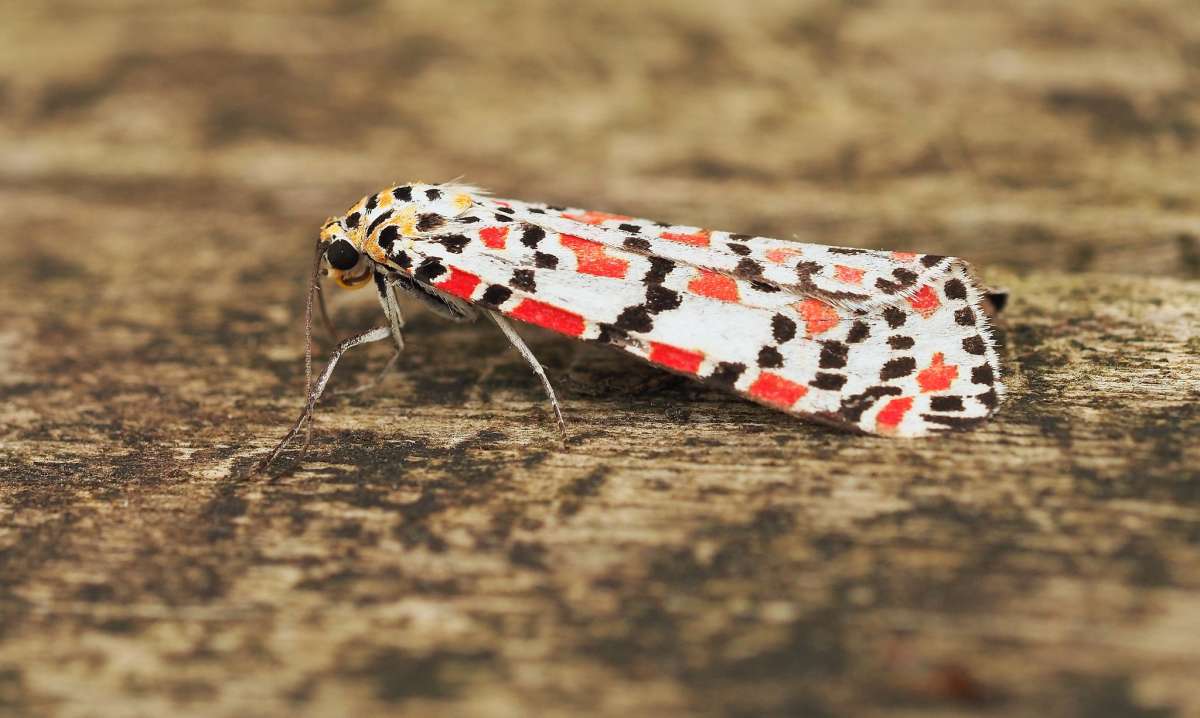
{"x": 349, "y": 266}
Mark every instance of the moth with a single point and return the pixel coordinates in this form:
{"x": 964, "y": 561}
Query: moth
{"x": 878, "y": 342}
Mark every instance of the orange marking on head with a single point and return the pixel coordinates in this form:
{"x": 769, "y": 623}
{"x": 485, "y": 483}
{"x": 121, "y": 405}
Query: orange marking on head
{"x": 549, "y": 316}
{"x": 374, "y": 251}
{"x": 463, "y": 201}
{"x": 494, "y": 237}
{"x": 594, "y": 217}
{"x": 776, "y": 390}
{"x": 890, "y": 416}
{"x": 591, "y": 257}
{"x": 716, "y": 286}
{"x": 939, "y": 375}
{"x": 848, "y": 275}
{"x": 385, "y": 200}
{"x": 818, "y": 316}
{"x": 675, "y": 358}
{"x": 925, "y": 301}
{"x": 405, "y": 220}
{"x": 696, "y": 239}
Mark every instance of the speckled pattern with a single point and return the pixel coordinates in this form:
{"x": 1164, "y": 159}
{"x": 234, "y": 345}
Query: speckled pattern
{"x": 163, "y": 170}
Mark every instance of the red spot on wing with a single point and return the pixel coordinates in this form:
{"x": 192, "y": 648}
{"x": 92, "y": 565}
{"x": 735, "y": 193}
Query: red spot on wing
{"x": 676, "y": 358}
{"x": 925, "y": 301}
{"x": 716, "y": 286}
{"x": 594, "y": 217}
{"x": 818, "y": 316}
{"x": 890, "y": 416}
{"x": 592, "y": 258}
{"x": 848, "y": 275}
{"x": 459, "y": 283}
{"x": 548, "y": 316}
{"x": 696, "y": 239}
{"x": 781, "y": 256}
{"x": 938, "y": 375}
{"x": 904, "y": 256}
{"x": 494, "y": 237}
{"x": 776, "y": 390}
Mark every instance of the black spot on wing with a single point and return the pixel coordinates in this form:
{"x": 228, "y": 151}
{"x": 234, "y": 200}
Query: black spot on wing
{"x": 388, "y": 237}
{"x": 404, "y": 194}
{"x": 904, "y": 279}
{"x": 858, "y": 332}
{"x": 542, "y": 260}
{"x": 834, "y": 355}
{"x": 637, "y": 244}
{"x": 659, "y": 269}
{"x": 531, "y": 236}
{"x": 953, "y": 422}
{"x": 955, "y": 289}
{"x": 453, "y": 243}
{"x": 727, "y": 373}
{"x": 430, "y": 268}
{"x": 896, "y": 368}
{"x": 828, "y": 381}
{"x": 495, "y": 295}
{"x": 523, "y": 279}
{"x": 894, "y": 317}
{"x": 661, "y": 299}
{"x": 635, "y": 319}
{"x": 770, "y": 358}
{"x": 946, "y": 403}
{"x": 983, "y": 374}
{"x": 782, "y": 328}
{"x": 430, "y": 220}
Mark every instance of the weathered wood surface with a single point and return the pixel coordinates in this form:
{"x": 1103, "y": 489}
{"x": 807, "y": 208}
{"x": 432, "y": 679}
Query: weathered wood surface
{"x": 163, "y": 169}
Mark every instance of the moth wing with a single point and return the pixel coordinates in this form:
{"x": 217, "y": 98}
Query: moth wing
{"x": 921, "y": 363}
{"x": 845, "y": 276}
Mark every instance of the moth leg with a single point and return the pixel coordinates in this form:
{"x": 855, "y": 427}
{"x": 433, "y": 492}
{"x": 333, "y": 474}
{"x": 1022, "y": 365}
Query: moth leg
{"x": 373, "y": 335}
{"x": 391, "y": 309}
{"x": 519, "y": 345}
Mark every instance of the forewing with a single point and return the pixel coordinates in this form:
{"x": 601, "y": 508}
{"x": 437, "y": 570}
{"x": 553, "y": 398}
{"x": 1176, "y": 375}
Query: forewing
{"x": 845, "y": 276}
{"x": 920, "y": 360}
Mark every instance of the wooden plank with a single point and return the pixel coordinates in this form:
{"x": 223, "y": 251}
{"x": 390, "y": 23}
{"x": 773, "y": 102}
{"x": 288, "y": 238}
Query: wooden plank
{"x": 438, "y": 553}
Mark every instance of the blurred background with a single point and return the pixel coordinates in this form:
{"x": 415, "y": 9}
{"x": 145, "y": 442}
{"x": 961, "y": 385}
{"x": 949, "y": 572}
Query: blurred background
{"x": 1025, "y": 134}
{"x": 165, "y": 166}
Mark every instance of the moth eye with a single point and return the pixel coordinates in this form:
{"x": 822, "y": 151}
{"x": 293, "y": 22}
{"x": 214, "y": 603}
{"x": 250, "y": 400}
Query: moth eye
{"x": 342, "y": 255}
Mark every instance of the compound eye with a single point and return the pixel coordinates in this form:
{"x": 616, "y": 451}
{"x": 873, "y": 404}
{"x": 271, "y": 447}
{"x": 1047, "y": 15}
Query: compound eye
{"x": 342, "y": 255}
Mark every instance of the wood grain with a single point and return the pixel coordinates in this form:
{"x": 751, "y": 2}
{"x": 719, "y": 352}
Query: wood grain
{"x": 163, "y": 170}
